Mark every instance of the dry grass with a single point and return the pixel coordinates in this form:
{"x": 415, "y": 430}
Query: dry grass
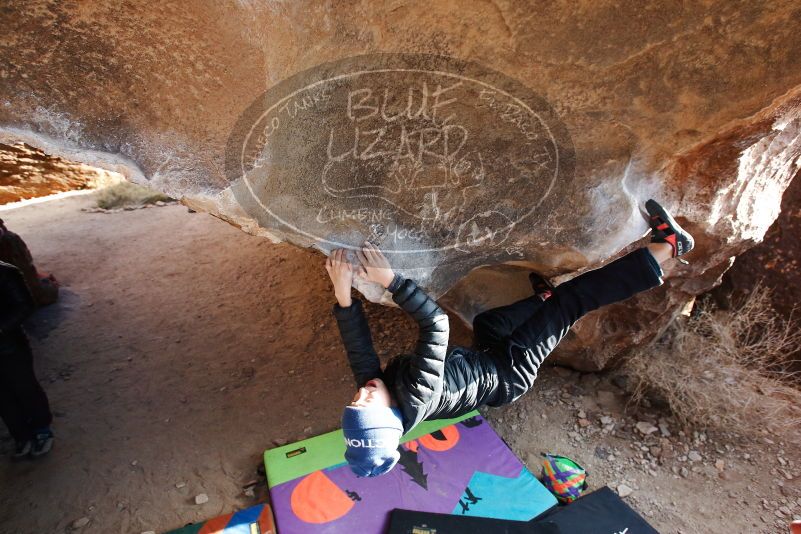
{"x": 727, "y": 370}
{"x": 125, "y": 193}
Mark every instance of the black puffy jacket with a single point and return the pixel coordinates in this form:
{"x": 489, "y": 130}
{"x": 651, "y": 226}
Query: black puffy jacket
{"x": 437, "y": 381}
{"x": 16, "y": 304}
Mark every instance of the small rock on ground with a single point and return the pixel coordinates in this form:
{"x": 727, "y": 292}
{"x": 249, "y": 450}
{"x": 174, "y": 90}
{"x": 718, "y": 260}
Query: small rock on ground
{"x": 201, "y": 498}
{"x": 80, "y": 523}
{"x": 624, "y": 491}
{"x": 645, "y": 428}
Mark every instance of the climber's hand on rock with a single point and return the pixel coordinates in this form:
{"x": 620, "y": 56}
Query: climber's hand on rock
{"x": 375, "y": 265}
{"x": 340, "y": 271}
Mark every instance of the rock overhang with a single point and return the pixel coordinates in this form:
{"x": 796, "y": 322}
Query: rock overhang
{"x": 667, "y": 105}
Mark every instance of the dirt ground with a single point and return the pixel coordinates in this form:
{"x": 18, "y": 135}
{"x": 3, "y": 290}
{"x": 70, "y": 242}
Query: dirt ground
{"x": 182, "y": 348}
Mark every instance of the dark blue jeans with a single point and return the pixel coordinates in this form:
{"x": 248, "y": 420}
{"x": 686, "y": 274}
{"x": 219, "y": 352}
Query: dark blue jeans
{"x": 521, "y": 335}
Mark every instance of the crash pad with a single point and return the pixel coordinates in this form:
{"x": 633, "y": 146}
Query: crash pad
{"x": 459, "y": 466}
{"x": 254, "y": 520}
{"x": 599, "y": 512}
{"x": 413, "y": 522}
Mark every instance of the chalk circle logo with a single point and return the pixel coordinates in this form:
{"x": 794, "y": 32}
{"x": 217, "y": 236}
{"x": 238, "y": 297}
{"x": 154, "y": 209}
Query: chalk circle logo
{"x": 417, "y": 153}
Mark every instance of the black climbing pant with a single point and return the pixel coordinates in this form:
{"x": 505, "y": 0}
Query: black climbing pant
{"x": 521, "y": 335}
{"x": 23, "y": 403}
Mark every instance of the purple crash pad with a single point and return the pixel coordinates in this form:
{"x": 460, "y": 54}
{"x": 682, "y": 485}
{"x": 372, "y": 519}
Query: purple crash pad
{"x": 463, "y": 468}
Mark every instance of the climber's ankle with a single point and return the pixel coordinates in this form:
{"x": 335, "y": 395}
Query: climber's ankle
{"x": 661, "y": 251}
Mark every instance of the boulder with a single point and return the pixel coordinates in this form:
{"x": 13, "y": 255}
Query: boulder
{"x": 472, "y": 142}
{"x": 26, "y": 172}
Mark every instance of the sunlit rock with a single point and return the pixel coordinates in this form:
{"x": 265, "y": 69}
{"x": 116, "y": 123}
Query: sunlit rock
{"x": 472, "y": 141}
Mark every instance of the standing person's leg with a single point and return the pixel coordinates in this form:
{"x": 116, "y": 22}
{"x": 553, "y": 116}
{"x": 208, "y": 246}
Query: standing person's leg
{"x": 11, "y": 414}
{"x": 31, "y": 399}
{"x": 11, "y": 411}
{"x": 531, "y": 342}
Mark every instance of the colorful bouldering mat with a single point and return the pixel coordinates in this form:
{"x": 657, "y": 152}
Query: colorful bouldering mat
{"x": 254, "y": 520}
{"x": 455, "y": 466}
{"x": 599, "y": 512}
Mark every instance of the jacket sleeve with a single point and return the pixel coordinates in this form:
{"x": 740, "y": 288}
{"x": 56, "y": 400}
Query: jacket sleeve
{"x": 423, "y": 379}
{"x": 355, "y": 333}
{"x": 16, "y": 303}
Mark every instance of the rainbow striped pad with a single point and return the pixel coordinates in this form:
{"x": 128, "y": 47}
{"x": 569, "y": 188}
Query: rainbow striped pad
{"x": 254, "y": 520}
{"x": 563, "y": 477}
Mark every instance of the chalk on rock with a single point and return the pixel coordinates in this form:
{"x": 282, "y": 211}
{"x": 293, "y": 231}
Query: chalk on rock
{"x": 201, "y": 498}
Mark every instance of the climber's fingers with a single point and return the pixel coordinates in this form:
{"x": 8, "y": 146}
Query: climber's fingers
{"x": 365, "y": 253}
{"x": 343, "y": 259}
{"x": 369, "y": 252}
{"x": 362, "y": 258}
{"x": 377, "y": 257}
{"x": 337, "y": 260}
{"x": 372, "y": 253}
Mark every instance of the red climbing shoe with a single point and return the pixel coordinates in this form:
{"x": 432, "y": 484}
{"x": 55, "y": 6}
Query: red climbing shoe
{"x": 542, "y": 287}
{"x": 665, "y": 229}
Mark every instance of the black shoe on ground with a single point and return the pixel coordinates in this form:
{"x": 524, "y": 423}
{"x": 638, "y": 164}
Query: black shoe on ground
{"x": 665, "y": 229}
{"x": 22, "y": 449}
{"x": 542, "y": 287}
{"x": 42, "y": 443}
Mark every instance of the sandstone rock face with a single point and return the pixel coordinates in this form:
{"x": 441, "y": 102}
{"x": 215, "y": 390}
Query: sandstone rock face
{"x": 26, "y": 172}
{"x": 472, "y": 141}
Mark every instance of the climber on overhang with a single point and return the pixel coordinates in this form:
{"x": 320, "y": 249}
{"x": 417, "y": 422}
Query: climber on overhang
{"x": 438, "y": 382}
